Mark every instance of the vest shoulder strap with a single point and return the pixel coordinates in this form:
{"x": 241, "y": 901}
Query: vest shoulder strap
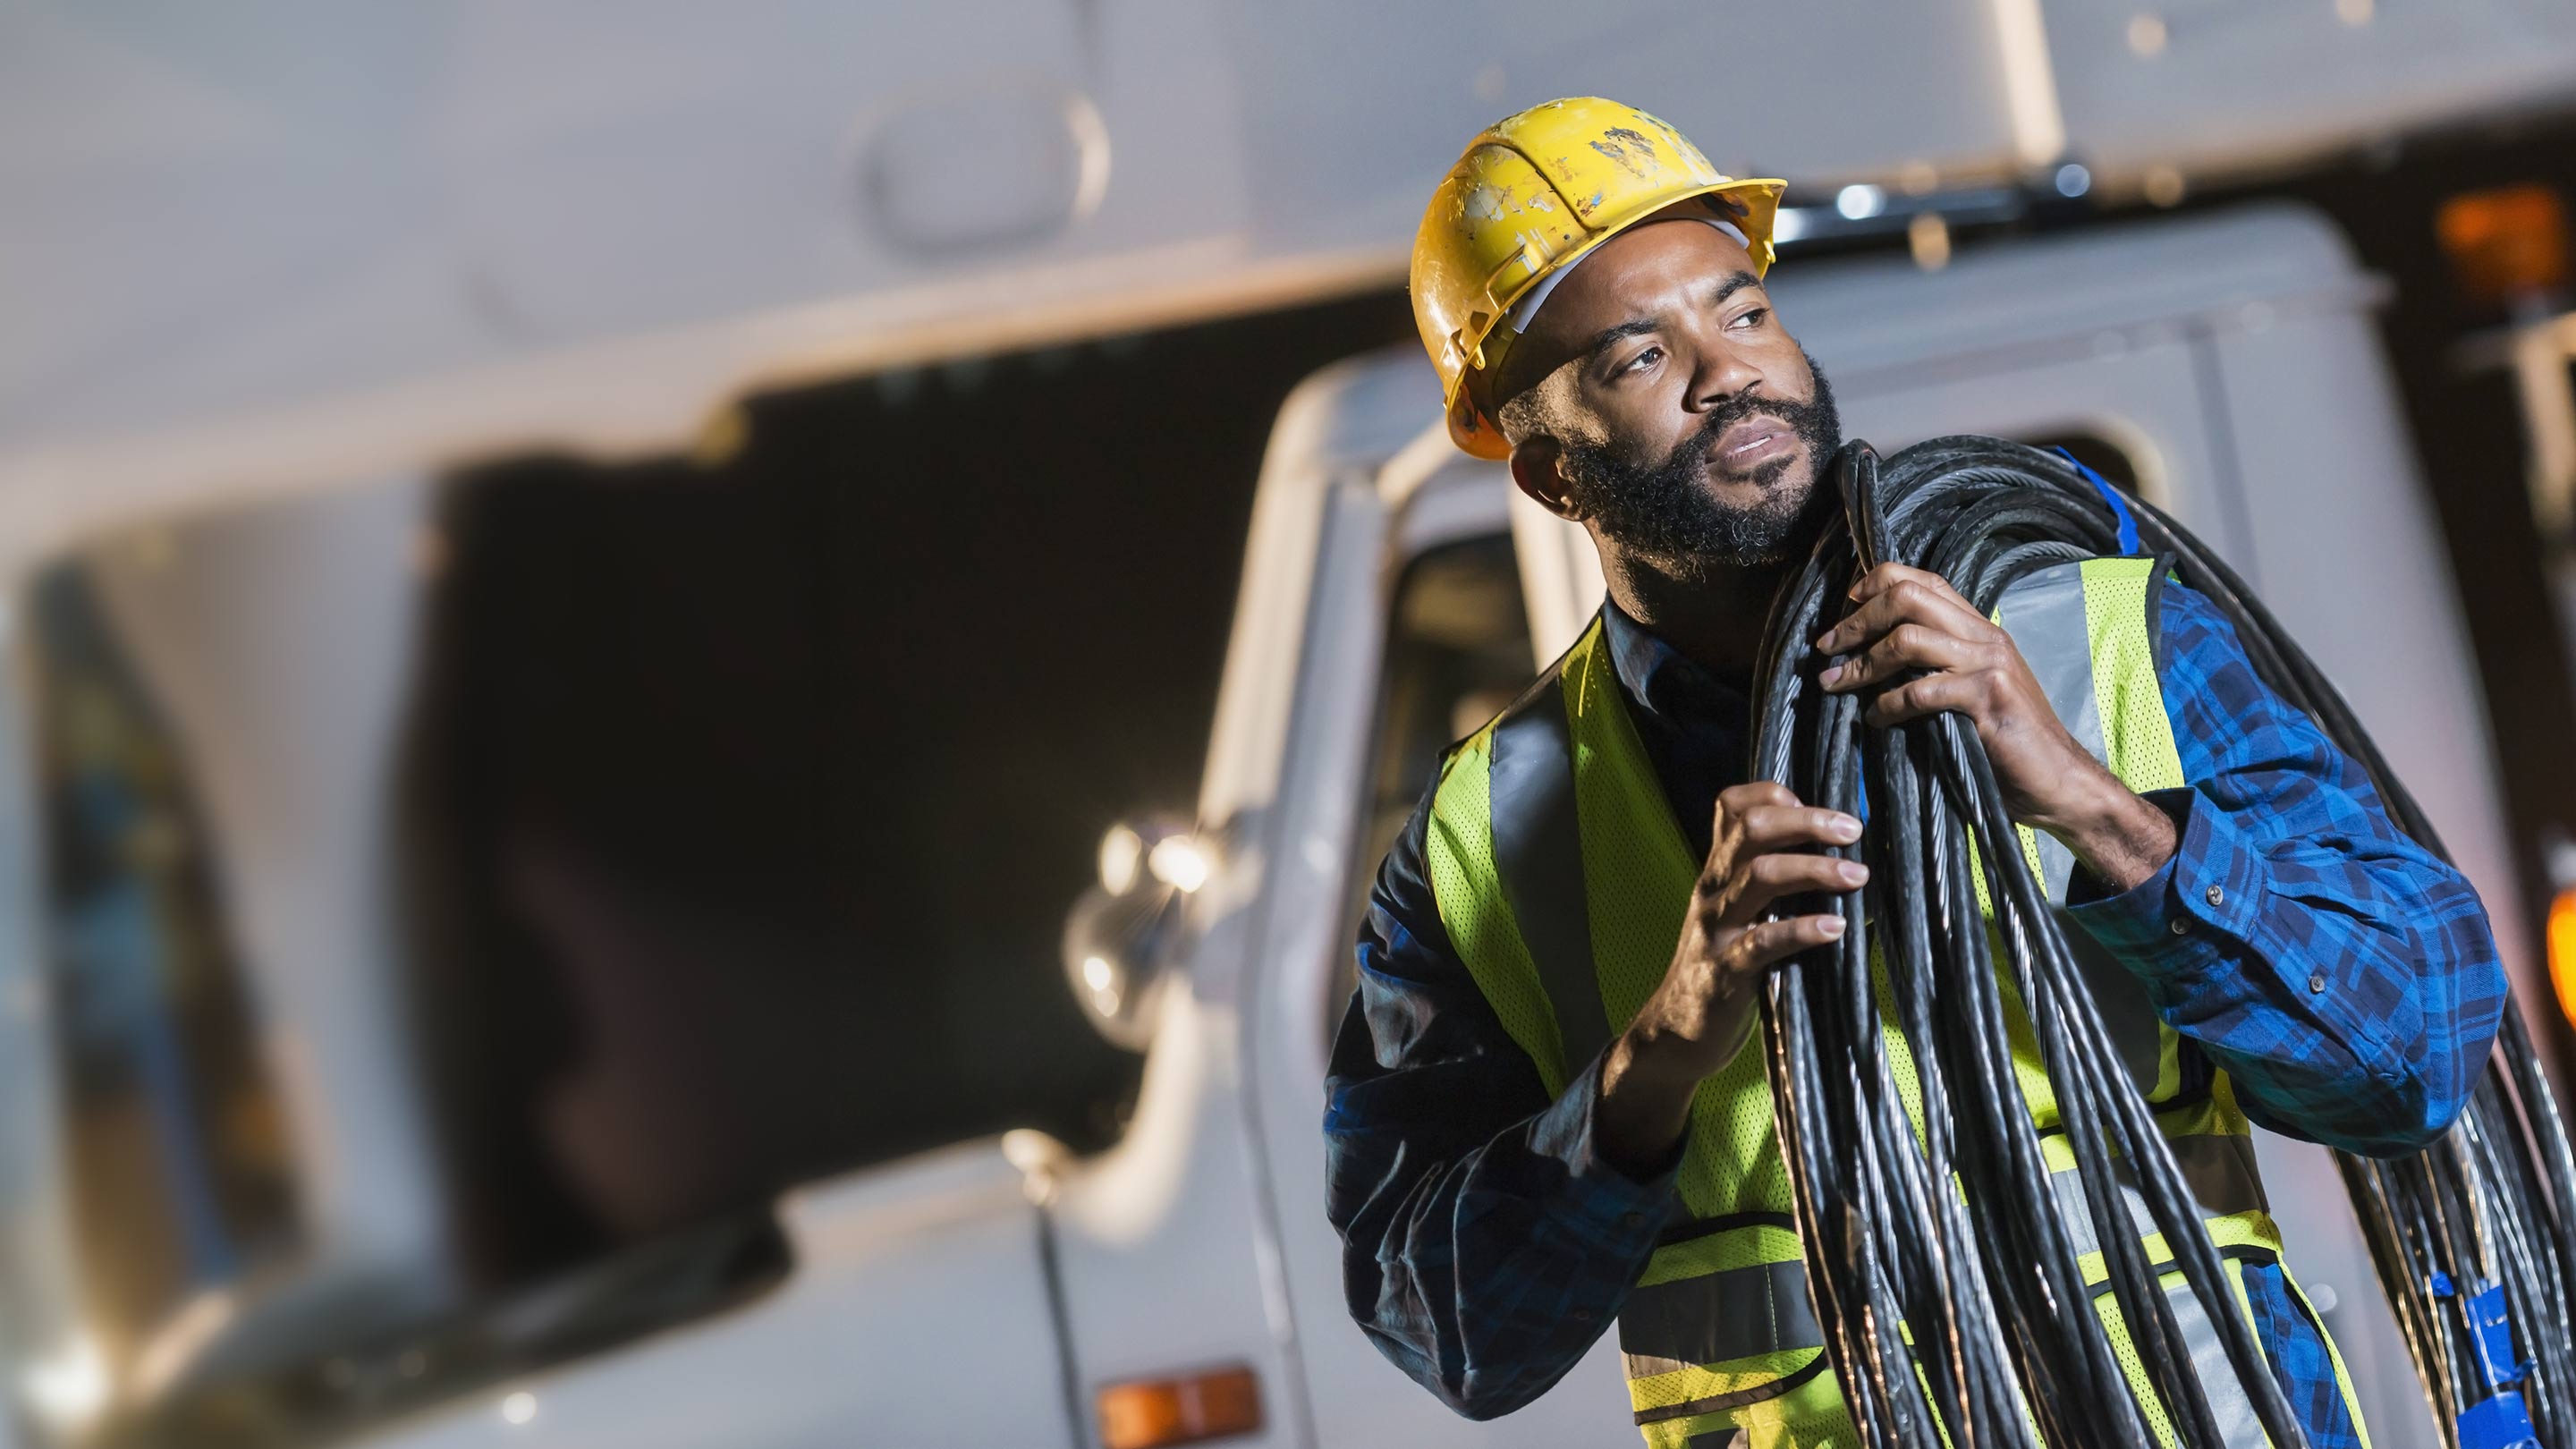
{"x": 2090, "y": 630}
{"x": 1506, "y": 861}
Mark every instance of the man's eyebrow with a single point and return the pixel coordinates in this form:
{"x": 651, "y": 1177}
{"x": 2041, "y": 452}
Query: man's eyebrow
{"x": 1733, "y": 285}
{"x": 1608, "y": 335}
{"x": 1634, "y": 325}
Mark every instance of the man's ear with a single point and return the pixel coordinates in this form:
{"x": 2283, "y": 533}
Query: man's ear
{"x": 1534, "y": 468}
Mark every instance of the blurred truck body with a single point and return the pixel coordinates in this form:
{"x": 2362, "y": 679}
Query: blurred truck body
{"x": 1008, "y": 1291}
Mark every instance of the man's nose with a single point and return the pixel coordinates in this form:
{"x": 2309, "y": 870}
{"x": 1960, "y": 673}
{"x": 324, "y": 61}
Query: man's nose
{"x": 1723, "y": 372}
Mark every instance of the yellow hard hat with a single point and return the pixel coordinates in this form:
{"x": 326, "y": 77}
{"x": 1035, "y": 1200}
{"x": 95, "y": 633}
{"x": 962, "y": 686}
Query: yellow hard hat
{"x": 1533, "y": 193}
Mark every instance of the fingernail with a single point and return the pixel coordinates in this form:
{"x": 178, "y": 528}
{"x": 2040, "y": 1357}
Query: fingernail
{"x": 1855, "y": 872}
{"x": 1832, "y": 926}
{"x": 1831, "y": 674}
{"x": 1846, "y": 828}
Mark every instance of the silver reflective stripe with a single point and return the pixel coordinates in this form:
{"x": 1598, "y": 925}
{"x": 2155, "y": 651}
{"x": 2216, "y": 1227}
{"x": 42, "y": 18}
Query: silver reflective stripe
{"x": 1741, "y": 1312}
{"x": 2229, "y": 1404}
{"x": 1735, "y": 1314}
{"x": 2044, "y": 614}
{"x": 1538, "y": 861}
{"x": 2217, "y": 1168}
{"x": 1717, "y": 1317}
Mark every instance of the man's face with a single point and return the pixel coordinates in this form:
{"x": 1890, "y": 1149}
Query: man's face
{"x": 1686, "y": 425}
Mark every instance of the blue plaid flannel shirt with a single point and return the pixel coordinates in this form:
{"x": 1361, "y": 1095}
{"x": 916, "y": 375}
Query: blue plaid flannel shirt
{"x": 2345, "y": 979}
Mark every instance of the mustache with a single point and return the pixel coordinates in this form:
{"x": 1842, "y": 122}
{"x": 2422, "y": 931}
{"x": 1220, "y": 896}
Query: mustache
{"x": 1796, "y": 416}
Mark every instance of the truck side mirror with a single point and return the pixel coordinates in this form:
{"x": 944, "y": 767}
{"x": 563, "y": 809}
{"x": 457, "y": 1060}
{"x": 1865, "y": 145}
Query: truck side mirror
{"x": 1122, "y": 934}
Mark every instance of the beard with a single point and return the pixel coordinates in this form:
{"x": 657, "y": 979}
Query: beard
{"x": 1664, "y": 513}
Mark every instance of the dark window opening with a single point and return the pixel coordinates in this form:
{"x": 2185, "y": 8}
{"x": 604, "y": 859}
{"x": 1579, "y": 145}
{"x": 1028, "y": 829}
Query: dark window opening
{"x": 2097, "y": 453}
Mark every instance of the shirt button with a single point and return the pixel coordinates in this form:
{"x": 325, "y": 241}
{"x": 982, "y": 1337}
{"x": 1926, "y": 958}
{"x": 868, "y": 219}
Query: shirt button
{"x": 2316, "y": 983}
{"x": 2180, "y": 926}
{"x": 1583, "y": 1315}
{"x": 2213, "y": 895}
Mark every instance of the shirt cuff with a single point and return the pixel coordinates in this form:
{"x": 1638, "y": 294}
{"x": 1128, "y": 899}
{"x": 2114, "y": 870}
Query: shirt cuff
{"x": 1607, "y": 1200}
{"x": 2192, "y": 910}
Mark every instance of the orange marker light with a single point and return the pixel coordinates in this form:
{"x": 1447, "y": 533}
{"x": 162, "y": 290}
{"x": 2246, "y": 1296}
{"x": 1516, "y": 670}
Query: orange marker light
{"x": 1149, "y": 1413}
{"x": 2562, "y": 950}
{"x": 2505, "y": 243}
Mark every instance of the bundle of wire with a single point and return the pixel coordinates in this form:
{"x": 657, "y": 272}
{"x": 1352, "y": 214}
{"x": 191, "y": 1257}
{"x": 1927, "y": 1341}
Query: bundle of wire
{"x": 1954, "y": 1305}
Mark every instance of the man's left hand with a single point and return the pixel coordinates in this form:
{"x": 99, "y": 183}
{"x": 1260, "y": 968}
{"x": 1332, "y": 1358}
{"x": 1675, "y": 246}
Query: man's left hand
{"x": 1924, "y": 649}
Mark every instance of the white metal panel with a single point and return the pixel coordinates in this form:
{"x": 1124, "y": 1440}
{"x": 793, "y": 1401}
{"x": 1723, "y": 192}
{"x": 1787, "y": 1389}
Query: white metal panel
{"x": 212, "y": 217}
{"x": 1354, "y": 109}
{"x": 1158, "y": 1246}
{"x": 304, "y": 243}
{"x": 2144, "y": 399}
{"x": 347, "y": 231}
{"x": 916, "y": 1314}
{"x": 2220, "y": 85}
{"x": 1884, "y": 315}
{"x": 727, "y": 158}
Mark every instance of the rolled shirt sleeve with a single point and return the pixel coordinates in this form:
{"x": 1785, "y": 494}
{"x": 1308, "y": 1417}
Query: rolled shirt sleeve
{"x": 1486, "y": 1242}
{"x": 2345, "y": 978}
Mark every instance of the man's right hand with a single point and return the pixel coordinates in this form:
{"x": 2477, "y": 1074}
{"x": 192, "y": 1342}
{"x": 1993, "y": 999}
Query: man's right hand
{"x": 1761, "y": 847}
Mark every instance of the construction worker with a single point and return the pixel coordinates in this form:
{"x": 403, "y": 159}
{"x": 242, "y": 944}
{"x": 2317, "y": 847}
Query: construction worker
{"x": 1542, "y": 1116}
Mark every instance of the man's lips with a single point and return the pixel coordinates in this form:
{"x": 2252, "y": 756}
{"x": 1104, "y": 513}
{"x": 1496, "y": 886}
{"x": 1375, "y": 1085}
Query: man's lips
{"x": 1750, "y": 442}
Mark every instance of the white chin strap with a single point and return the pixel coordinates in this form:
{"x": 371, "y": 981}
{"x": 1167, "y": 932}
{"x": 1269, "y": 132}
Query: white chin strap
{"x": 1527, "y": 307}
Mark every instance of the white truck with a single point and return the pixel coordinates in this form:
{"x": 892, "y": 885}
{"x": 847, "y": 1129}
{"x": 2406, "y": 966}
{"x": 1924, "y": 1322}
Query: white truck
{"x": 267, "y": 272}
{"x": 1185, "y": 1282}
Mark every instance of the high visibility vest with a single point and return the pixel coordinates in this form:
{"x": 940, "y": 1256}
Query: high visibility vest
{"x": 1563, "y": 879}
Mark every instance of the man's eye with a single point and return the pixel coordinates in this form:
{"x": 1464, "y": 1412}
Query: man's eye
{"x": 1641, "y": 361}
{"x": 1753, "y": 317}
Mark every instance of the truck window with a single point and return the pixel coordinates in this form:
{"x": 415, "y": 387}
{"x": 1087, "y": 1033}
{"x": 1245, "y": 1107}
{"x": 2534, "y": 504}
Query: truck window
{"x": 1458, "y": 651}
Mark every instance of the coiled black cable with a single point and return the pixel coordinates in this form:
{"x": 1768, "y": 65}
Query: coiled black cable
{"x": 1949, "y": 1288}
